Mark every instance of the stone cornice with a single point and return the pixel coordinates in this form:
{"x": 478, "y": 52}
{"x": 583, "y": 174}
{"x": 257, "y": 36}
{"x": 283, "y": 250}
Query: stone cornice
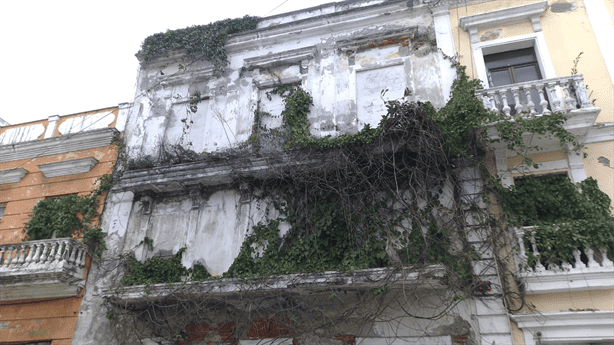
{"x": 567, "y": 326}
{"x": 283, "y": 58}
{"x": 68, "y": 167}
{"x": 12, "y": 175}
{"x": 431, "y": 277}
{"x": 63, "y": 144}
{"x": 213, "y": 173}
{"x": 549, "y": 282}
{"x": 508, "y": 16}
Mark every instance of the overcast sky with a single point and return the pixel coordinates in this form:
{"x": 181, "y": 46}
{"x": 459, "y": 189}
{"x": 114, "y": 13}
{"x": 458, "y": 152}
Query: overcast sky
{"x": 60, "y": 57}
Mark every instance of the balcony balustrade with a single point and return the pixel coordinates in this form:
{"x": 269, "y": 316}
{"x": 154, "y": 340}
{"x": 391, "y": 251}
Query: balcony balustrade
{"x": 591, "y": 269}
{"x": 43, "y": 268}
{"x": 538, "y": 97}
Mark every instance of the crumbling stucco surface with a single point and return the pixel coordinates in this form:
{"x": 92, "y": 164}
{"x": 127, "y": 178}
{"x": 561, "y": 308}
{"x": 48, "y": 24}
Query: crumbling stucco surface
{"x": 345, "y": 55}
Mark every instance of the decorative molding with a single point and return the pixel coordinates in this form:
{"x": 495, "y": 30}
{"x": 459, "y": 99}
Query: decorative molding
{"x": 63, "y": 144}
{"x": 278, "y": 59}
{"x": 269, "y": 83}
{"x": 12, "y": 175}
{"x": 430, "y": 278}
{"x": 189, "y": 77}
{"x": 594, "y": 278}
{"x": 565, "y": 327}
{"x": 508, "y": 16}
{"x": 364, "y": 42}
{"x": 69, "y": 167}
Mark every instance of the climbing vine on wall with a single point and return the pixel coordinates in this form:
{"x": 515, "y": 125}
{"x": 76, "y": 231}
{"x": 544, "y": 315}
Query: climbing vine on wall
{"x": 199, "y": 41}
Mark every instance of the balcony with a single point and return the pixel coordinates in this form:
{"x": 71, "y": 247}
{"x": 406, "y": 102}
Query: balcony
{"x": 591, "y": 269}
{"x": 42, "y": 269}
{"x": 567, "y": 95}
{"x": 532, "y": 97}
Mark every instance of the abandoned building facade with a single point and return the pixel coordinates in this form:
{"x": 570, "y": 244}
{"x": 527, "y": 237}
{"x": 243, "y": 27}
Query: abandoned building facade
{"x": 292, "y": 187}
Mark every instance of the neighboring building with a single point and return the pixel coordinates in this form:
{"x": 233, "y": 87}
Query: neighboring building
{"x": 199, "y": 167}
{"x": 42, "y": 281}
{"x": 529, "y": 47}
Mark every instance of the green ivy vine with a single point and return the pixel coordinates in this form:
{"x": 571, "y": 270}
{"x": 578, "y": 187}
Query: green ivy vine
{"x": 158, "y": 270}
{"x": 568, "y": 216}
{"x": 199, "y": 41}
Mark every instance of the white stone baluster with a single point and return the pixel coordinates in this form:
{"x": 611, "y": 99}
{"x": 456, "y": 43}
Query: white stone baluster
{"x": 579, "y": 264}
{"x": 542, "y": 100}
{"x": 605, "y": 261}
{"x": 590, "y": 254}
{"x": 82, "y": 257}
{"x": 518, "y": 107}
{"x": 530, "y": 103}
{"x": 581, "y": 93}
{"x": 58, "y": 253}
{"x": 65, "y": 253}
{"x": 73, "y": 254}
{"x": 570, "y": 102}
{"x": 2, "y": 251}
{"x": 506, "y": 108}
{"x": 9, "y": 256}
{"x": 22, "y": 255}
{"x": 538, "y": 265}
{"x": 524, "y": 259}
{"x": 557, "y": 103}
{"x": 30, "y": 254}
{"x": 45, "y": 252}
{"x": 37, "y": 255}
{"x": 566, "y": 266}
{"x": 493, "y": 102}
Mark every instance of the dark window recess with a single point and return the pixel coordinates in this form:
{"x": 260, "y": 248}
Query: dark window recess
{"x": 2, "y": 208}
{"x": 513, "y": 67}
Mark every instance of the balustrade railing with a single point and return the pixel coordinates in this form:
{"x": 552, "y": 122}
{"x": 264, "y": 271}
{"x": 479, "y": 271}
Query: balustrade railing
{"x": 42, "y": 254}
{"x": 588, "y": 259}
{"x": 538, "y": 97}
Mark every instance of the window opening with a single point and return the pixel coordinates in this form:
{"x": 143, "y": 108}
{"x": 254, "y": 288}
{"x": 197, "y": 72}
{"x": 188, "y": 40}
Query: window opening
{"x": 2, "y": 208}
{"x": 514, "y": 67}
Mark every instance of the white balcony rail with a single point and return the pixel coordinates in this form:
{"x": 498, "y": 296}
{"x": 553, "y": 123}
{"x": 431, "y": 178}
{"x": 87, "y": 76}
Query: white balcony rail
{"x": 43, "y": 254}
{"x": 597, "y": 258}
{"x": 538, "y": 97}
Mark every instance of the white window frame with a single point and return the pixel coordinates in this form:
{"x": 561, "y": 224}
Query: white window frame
{"x": 535, "y": 40}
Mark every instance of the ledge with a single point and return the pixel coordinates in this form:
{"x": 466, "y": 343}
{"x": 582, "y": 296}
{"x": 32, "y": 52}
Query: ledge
{"x": 508, "y": 16}
{"x": 564, "y": 327}
{"x": 63, "y": 144}
{"x": 70, "y": 167}
{"x": 594, "y": 278}
{"x": 12, "y": 175}
{"x": 42, "y": 269}
{"x": 284, "y": 58}
{"x": 431, "y": 277}
{"x": 213, "y": 173}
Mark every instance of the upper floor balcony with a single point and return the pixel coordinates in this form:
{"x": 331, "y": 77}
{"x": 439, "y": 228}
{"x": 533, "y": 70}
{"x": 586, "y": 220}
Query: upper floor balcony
{"x": 42, "y": 269}
{"x": 591, "y": 268}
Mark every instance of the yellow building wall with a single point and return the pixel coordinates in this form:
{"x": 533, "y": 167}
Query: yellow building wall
{"x": 50, "y": 319}
{"x": 566, "y": 35}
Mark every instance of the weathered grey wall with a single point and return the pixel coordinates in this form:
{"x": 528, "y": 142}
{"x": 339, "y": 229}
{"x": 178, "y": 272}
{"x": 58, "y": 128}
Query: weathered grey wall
{"x": 342, "y": 54}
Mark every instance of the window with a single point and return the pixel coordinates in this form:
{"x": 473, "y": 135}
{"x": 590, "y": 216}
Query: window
{"x": 2, "y": 208}
{"x": 513, "y": 67}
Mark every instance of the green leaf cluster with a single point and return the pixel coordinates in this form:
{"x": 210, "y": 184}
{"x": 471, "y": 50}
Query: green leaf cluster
{"x": 199, "y": 41}
{"x": 567, "y": 216}
{"x": 159, "y": 270}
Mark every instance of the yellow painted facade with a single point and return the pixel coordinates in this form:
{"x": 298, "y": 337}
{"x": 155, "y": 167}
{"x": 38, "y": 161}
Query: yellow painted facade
{"x": 50, "y": 319}
{"x": 566, "y": 34}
